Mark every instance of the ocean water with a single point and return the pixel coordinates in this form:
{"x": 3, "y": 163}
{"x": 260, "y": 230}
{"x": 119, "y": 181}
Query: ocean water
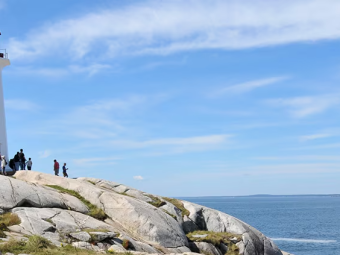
{"x": 302, "y": 225}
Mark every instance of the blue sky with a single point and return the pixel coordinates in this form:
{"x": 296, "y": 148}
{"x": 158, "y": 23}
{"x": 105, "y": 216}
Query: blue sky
{"x": 178, "y": 98}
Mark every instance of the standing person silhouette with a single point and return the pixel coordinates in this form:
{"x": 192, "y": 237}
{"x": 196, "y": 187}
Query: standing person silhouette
{"x": 64, "y": 170}
{"x": 22, "y": 159}
{"x": 29, "y": 164}
{"x": 17, "y": 160}
{"x": 56, "y": 168}
{"x": 3, "y": 165}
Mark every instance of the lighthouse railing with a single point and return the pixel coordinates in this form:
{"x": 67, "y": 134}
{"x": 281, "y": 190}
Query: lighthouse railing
{"x": 3, "y": 53}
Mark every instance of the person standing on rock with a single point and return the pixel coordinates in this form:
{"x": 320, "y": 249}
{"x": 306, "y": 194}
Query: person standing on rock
{"x": 22, "y": 159}
{"x": 64, "y": 170}
{"x": 3, "y": 165}
{"x": 56, "y": 168}
{"x": 29, "y": 164}
{"x": 17, "y": 160}
{"x": 11, "y": 164}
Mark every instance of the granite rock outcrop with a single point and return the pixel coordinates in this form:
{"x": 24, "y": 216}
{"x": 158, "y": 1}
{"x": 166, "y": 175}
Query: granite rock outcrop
{"x": 135, "y": 221}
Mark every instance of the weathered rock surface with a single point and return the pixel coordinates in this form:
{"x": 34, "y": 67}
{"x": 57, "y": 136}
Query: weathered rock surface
{"x": 81, "y": 236}
{"x": 55, "y": 224}
{"x": 182, "y": 249}
{"x": 254, "y": 241}
{"x": 150, "y": 230}
{"x": 207, "y": 248}
{"x": 138, "y": 246}
{"x": 118, "y": 188}
{"x": 15, "y": 193}
{"x": 84, "y": 245}
{"x": 138, "y": 217}
{"x": 116, "y": 248}
{"x": 100, "y": 236}
{"x": 223, "y": 248}
{"x": 286, "y": 253}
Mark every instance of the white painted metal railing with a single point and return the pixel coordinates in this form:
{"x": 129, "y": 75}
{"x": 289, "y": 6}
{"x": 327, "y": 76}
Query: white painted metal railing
{"x": 3, "y": 53}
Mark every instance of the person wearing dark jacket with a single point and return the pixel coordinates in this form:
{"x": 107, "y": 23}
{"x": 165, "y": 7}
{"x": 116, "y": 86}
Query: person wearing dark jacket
{"x": 64, "y": 170}
{"x": 22, "y": 160}
{"x": 17, "y": 160}
{"x": 12, "y": 165}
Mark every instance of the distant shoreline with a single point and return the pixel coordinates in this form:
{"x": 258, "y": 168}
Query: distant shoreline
{"x": 265, "y": 195}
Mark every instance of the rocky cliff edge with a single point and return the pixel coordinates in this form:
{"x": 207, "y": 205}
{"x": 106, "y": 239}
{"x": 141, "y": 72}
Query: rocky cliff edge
{"x": 103, "y": 216}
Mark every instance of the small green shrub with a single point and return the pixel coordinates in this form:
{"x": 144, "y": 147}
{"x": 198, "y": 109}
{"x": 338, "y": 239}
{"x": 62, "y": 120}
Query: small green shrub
{"x": 126, "y": 243}
{"x": 216, "y": 238}
{"x": 36, "y": 242}
{"x": 233, "y": 249}
{"x": 2, "y": 234}
{"x": 49, "y": 221}
{"x": 3, "y": 227}
{"x": 40, "y": 246}
{"x": 88, "y": 230}
{"x": 173, "y": 216}
{"x": 156, "y": 201}
{"x": 97, "y": 213}
{"x": 9, "y": 219}
{"x": 91, "y": 182}
{"x": 178, "y": 204}
{"x": 94, "y": 211}
{"x": 213, "y": 237}
{"x": 126, "y": 194}
{"x": 13, "y": 246}
{"x": 6, "y": 220}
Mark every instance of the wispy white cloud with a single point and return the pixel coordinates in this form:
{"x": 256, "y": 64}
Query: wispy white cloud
{"x": 99, "y": 121}
{"x": 154, "y": 65}
{"x": 89, "y": 70}
{"x": 44, "y": 154}
{"x": 95, "y": 161}
{"x": 20, "y": 105}
{"x": 301, "y": 107}
{"x": 197, "y": 140}
{"x": 247, "y": 86}
{"x": 174, "y": 145}
{"x": 107, "y": 113}
{"x": 138, "y": 177}
{"x": 314, "y": 136}
{"x": 163, "y": 27}
{"x": 308, "y": 158}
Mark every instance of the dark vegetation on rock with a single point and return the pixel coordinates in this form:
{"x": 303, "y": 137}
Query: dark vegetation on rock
{"x": 178, "y": 204}
{"x": 93, "y": 183}
{"x": 216, "y": 238}
{"x": 155, "y": 201}
{"x": 94, "y": 211}
{"x": 7, "y": 220}
{"x": 37, "y": 245}
{"x": 126, "y": 243}
{"x": 173, "y": 216}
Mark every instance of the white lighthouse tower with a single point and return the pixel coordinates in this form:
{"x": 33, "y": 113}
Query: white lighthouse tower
{"x": 4, "y": 61}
